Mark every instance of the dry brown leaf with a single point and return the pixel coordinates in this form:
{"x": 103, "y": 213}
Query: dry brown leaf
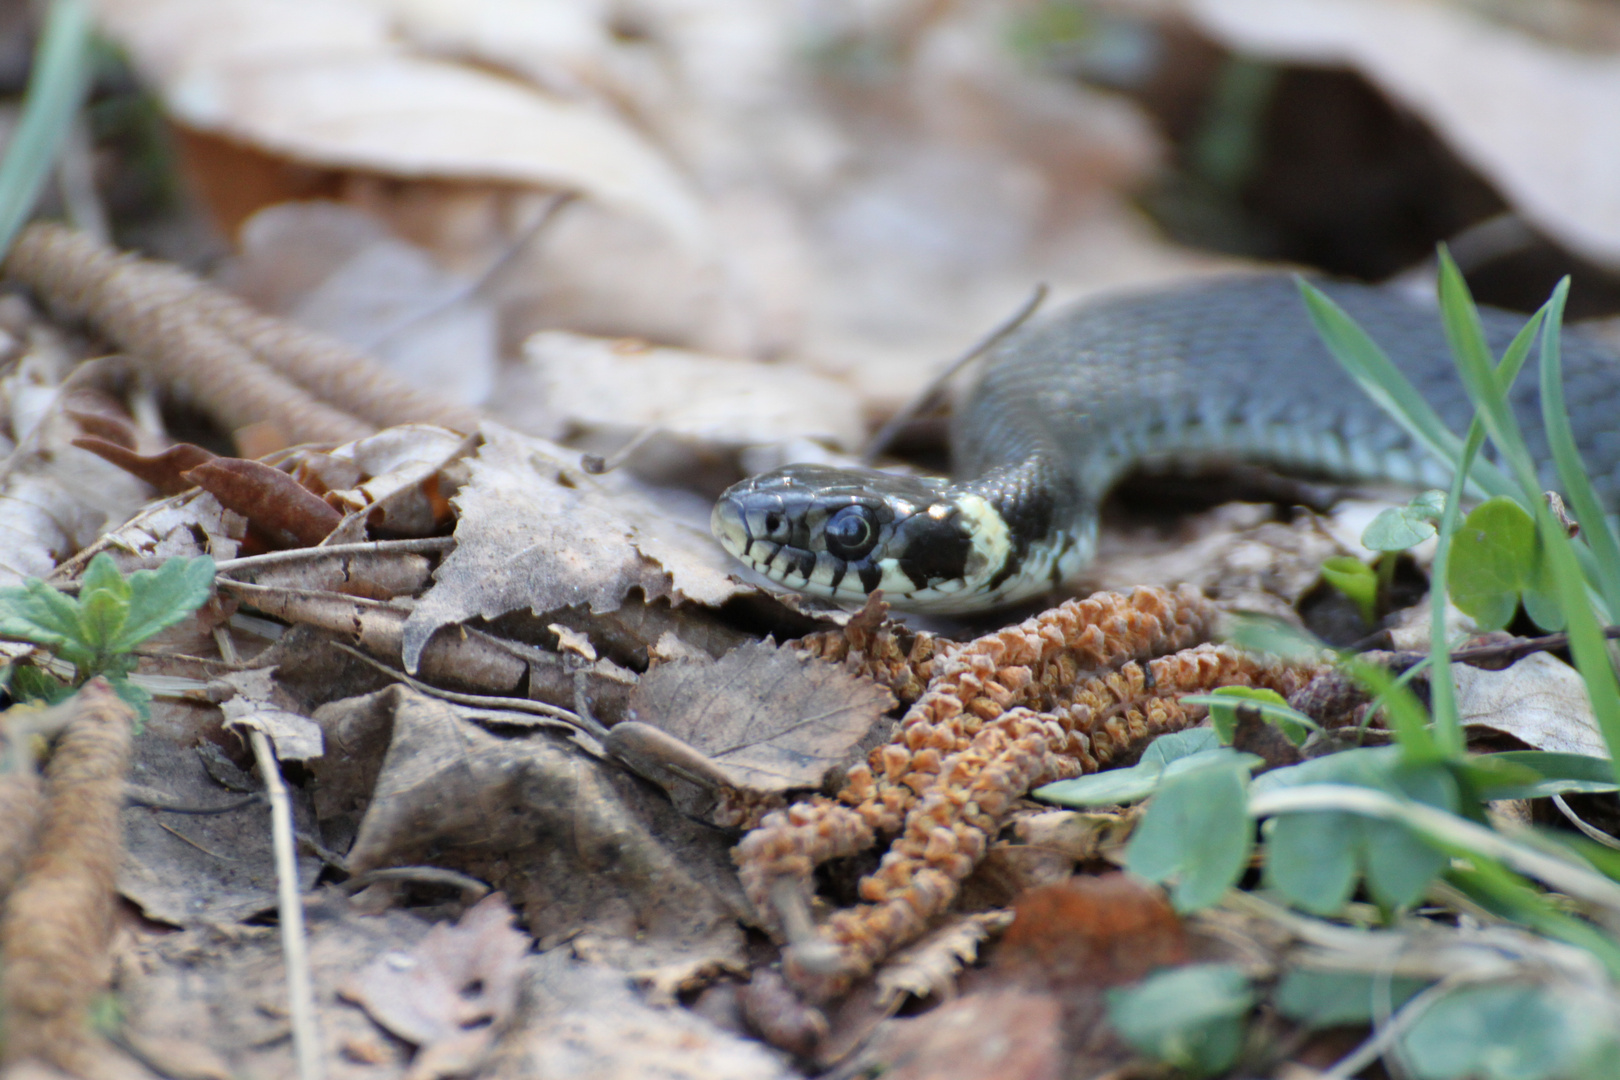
{"x": 1534, "y": 117}
{"x": 1000, "y": 1034}
{"x": 451, "y": 993}
{"x": 578, "y": 844}
{"x": 258, "y": 705}
{"x": 768, "y": 719}
{"x": 929, "y": 966}
{"x": 536, "y": 533}
{"x": 1541, "y": 701}
{"x": 620, "y": 387}
{"x": 218, "y": 994}
{"x": 196, "y": 869}
{"x": 585, "y": 1020}
{"x": 326, "y": 82}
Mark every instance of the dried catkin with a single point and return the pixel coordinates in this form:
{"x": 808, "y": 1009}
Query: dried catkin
{"x": 58, "y": 921}
{"x": 1067, "y": 692}
{"x": 243, "y": 366}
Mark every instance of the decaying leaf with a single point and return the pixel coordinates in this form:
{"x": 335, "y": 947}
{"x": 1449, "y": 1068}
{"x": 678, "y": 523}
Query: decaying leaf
{"x": 583, "y": 1020}
{"x": 929, "y": 967}
{"x": 218, "y": 994}
{"x": 578, "y": 844}
{"x": 622, "y": 387}
{"x": 194, "y": 869}
{"x": 326, "y": 83}
{"x": 1541, "y": 701}
{"x": 1004, "y": 1033}
{"x": 769, "y": 720}
{"x": 296, "y": 738}
{"x": 537, "y": 533}
{"x": 451, "y": 993}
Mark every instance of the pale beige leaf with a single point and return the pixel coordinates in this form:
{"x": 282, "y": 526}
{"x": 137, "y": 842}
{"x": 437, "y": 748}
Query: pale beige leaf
{"x": 623, "y": 386}
{"x": 326, "y": 82}
{"x": 1541, "y": 701}
{"x": 1535, "y": 117}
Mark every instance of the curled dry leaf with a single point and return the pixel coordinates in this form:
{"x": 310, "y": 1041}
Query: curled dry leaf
{"x": 165, "y": 471}
{"x": 1541, "y": 701}
{"x": 768, "y": 720}
{"x": 536, "y": 533}
{"x": 452, "y": 992}
{"x": 577, "y": 843}
{"x": 279, "y": 507}
{"x": 255, "y": 707}
{"x": 1532, "y": 116}
{"x": 327, "y": 83}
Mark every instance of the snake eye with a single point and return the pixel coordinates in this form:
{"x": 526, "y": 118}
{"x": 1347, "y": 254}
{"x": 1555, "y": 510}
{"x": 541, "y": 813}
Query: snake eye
{"x": 850, "y": 533}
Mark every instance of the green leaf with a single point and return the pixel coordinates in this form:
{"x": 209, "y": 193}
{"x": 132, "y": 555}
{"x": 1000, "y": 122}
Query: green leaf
{"x": 1191, "y": 1017}
{"x": 163, "y": 597}
{"x": 103, "y": 604}
{"x": 1113, "y": 787}
{"x": 1382, "y": 381}
{"x": 1309, "y": 867}
{"x": 1397, "y": 528}
{"x": 1553, "y": 774}
{"x": 1492, "y": 559}
{"x": 1311, "y": 859}
{"x": 1268, "y": 703}
{"x": 1179, "y": 744}
{"x": 1262, "y": 634}
{"x": 30, "y": 683}
{"x": 1356, "y": 580}
{"x": 1572, "y": 475}
{"x": 1197, "y": 832}
{"x": 137, "y": 697}
{"x": 1507, "y": 1031}
{"x": 1323, "y": 999}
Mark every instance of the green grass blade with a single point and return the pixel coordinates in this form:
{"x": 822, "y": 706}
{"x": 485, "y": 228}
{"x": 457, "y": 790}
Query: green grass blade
{"x": 1442, "y": 691}
{"x": 56, "y": 89}
{"x": 1382, "y": 381}
{"x": 1460, "y": 318}
{"x": 1586, "y": 641}
{"x": 1583, "y": 500}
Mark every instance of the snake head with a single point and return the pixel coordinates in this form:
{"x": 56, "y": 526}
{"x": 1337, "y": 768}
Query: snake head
{"x": 843, "y": 533}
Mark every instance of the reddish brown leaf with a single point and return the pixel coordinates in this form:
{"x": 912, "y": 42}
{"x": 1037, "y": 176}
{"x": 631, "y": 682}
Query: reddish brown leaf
{"x": 272, "y": 501}
{"x": 165, "y": 471}
{"x": 1090, "y": 931}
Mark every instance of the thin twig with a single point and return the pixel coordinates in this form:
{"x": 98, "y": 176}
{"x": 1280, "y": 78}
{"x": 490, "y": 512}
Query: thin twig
{"x": 592, "y": 727}
{"x": 1590, "y": 831}
{"x": 300, "y": 989}
{"x": 930, "y": 394}
{"x": 422, "y": 545}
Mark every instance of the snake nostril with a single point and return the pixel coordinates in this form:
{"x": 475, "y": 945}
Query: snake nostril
{"x": 773, "y": 523}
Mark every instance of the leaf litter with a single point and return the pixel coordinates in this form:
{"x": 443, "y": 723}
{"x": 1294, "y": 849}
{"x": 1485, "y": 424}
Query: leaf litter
{"x": 599, "y": 599}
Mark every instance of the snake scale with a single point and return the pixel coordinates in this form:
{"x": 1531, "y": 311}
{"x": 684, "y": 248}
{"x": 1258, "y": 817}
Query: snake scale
{"x": 1223, "y": 370}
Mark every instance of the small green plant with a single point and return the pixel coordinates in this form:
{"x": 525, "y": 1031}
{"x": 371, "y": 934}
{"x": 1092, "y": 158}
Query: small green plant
{"x": 1407, "y": 823}
{"x": 97, "y": 631}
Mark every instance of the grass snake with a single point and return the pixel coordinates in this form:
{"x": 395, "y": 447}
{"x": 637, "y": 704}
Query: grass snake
{"x": 1224, "y": 370}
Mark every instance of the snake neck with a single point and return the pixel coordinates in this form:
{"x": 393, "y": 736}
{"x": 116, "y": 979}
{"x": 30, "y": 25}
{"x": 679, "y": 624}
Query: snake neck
{"x": 1045, "y": 528}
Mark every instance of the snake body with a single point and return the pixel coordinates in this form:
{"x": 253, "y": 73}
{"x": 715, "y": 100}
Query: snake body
{"x": 1223, "y": 370}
